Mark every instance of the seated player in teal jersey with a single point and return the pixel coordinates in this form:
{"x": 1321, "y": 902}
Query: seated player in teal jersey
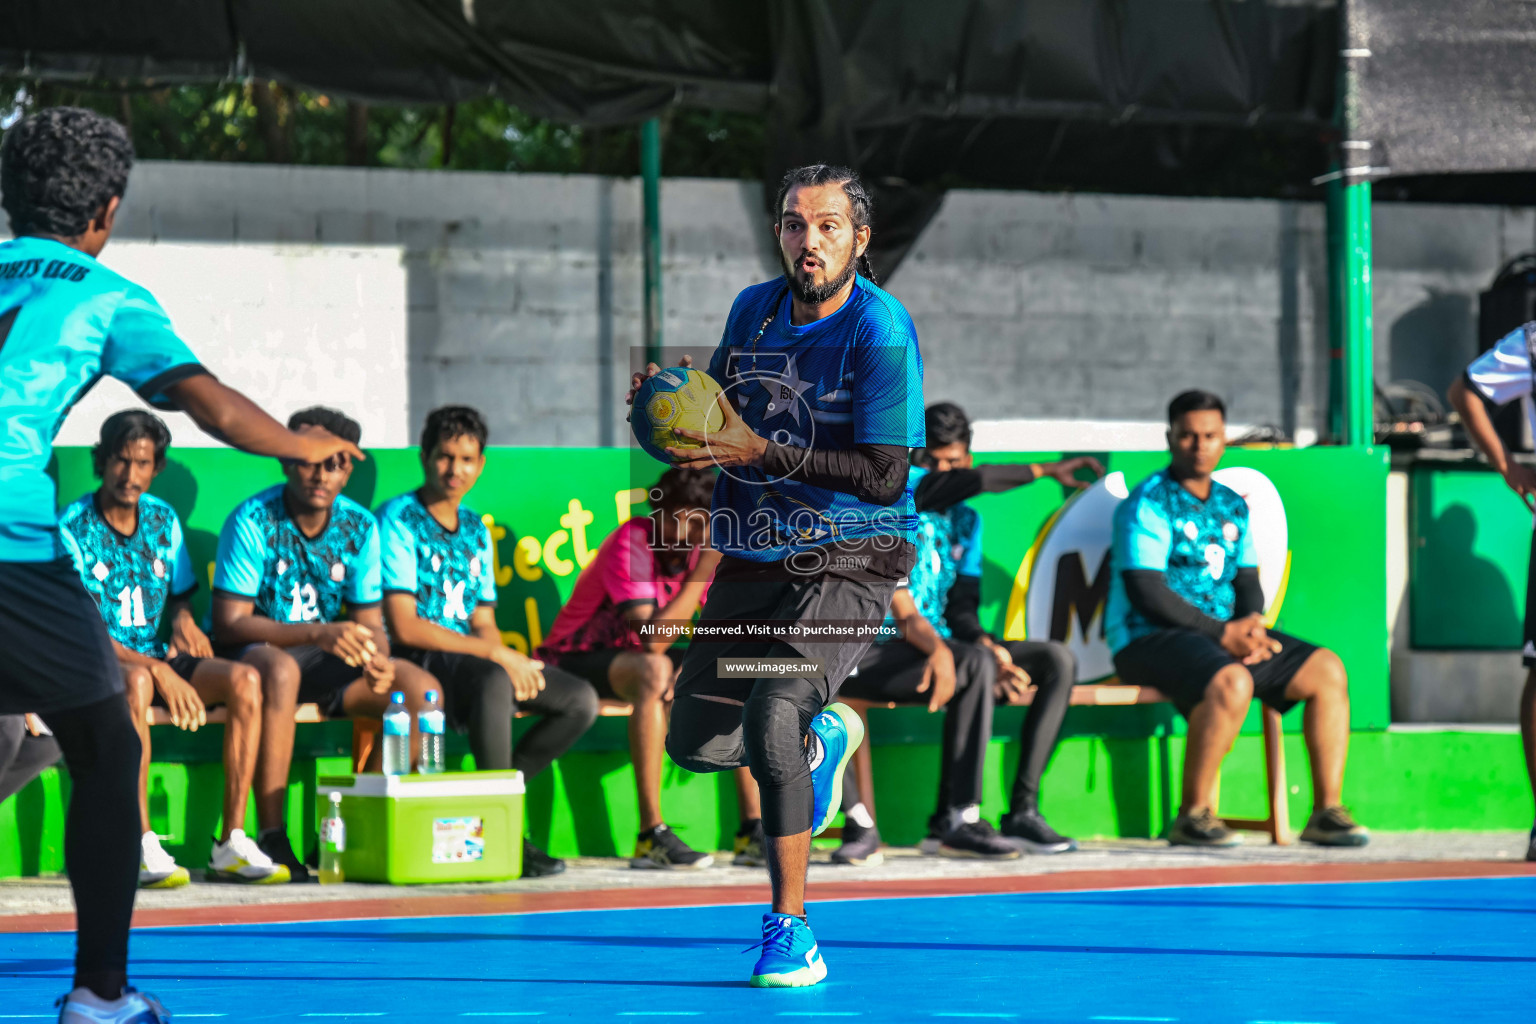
{"x": 129, "y": 550}
{"x": 943, "y": 598}
{"x": 67, "y": 320}
{"x": 439, "y": 577}
{"x": 1185, "y": 615}
{"x": 296, "y": 592}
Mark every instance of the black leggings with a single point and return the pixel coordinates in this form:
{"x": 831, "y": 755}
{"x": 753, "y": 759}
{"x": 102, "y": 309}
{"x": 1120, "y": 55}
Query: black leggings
{"x": 764, "y": 728}
{"x": 1053, "y": 670}
{"x": 893, "y": 671}
{"x": 101, "y": 835}
{"x": 477, "y": 695}
{"x": 22, "y": 755}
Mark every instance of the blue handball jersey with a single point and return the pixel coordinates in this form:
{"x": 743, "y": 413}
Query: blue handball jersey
{"x": 948, "y": 547}
{"x": 1199, "y": 545}
{"x": 449, "y": 572}
{"x": 131, "y": 577}
{"x": 265, "y": 558}
{"x": 66, "y": 321}
{"x": 855, "y": 377}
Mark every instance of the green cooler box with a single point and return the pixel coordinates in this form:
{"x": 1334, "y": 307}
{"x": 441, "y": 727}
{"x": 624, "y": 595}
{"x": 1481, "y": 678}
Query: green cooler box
{"x": 448, "y": 827}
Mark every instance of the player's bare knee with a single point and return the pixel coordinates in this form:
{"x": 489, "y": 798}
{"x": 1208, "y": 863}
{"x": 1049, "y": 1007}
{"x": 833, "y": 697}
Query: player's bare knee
{"x": 656, "y": 677}
{"x": 244, "y": 690}
{"x": 1328, "y": 670}
{"x": 139, "y": 688}
{"x": 1231, "y": 689}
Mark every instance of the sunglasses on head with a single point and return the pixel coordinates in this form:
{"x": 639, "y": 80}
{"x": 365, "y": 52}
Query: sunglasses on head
{"x": 334, "y": 464}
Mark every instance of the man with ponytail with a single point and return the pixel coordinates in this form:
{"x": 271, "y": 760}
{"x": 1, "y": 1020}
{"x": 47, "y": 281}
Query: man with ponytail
{"x": 815, "y": 525}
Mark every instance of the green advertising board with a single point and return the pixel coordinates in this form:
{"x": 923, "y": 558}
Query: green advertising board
{"x": 1319, "y": 515}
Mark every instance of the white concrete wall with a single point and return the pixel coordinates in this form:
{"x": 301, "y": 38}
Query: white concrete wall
{"x": 389, "y": 292}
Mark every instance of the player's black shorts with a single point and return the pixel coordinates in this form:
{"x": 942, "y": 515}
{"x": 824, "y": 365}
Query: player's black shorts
{"x": 593, "y": 666}
{"x": 55, "y": 654}
{"x": 1182, "y": 663}
{"x": 323, "y": 677}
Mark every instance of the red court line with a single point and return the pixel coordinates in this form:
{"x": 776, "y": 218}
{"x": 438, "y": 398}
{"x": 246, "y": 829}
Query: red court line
{"x": 468, "y": 904}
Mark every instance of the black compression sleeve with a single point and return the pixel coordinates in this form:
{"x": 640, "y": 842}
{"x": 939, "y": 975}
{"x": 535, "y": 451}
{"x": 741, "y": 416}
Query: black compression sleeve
{"x": 1149, "y": 594}
{"x": 1249, "y": 596}
{"x": 876, "y": 473}
{"x": 936, "y": 492}
{"x": 962, "y": 609}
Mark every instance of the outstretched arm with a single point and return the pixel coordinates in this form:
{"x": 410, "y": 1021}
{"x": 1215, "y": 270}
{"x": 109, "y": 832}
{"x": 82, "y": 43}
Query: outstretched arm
{"x": 1479, "y": 426}
{"x": 226, "y": 414}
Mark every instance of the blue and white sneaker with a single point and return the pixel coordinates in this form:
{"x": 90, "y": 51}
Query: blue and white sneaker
{"x": 82, "y": 1006}
{"x": 790, "y": 958}
{"x": 835, "y": 734}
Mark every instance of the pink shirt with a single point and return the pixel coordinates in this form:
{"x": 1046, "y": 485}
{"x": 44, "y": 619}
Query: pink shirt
{"x": 624, "y": 571}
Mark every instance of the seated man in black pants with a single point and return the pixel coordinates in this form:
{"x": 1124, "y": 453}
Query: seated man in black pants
{"x": 947, "y": 587}
{"x": 928, "y": 667}
{"x": 1185, "y": 615}
{"x": 26, "y": 748}
{"x": 439, "y": 572}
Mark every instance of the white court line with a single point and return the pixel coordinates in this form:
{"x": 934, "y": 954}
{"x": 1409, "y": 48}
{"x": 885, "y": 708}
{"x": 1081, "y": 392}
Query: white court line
{"x": 1290, "y": 1022}
{"x": 351, "y": 1014}
{"x": 1134, "y": 1018}
{"x": 823, "y": 1013}
{"x": 978, "y": 1016}
{"x": 502, "y": 1013}
{"x": 660, "y": 1013}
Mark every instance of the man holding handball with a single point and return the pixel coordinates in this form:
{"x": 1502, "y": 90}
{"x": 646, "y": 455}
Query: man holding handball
{"x": 815, "y": 524}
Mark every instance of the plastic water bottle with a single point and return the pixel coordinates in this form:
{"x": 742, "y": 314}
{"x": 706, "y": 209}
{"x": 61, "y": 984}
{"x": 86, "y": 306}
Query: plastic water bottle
{"x": 397, "y": 736}
{"x": 333, "y": 842}
{"x": 429, "y": 722}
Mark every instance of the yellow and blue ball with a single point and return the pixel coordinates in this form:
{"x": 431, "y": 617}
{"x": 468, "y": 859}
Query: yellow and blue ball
{"x": 678, "y": 396}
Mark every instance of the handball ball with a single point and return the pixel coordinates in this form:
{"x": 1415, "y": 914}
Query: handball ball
{"x": 676, "y": 397}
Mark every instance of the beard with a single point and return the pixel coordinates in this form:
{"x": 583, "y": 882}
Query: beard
{"x": 815, "y": 294}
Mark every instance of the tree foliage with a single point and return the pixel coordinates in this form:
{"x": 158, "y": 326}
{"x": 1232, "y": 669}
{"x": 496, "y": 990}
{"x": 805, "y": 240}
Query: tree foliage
{"x": 266, "y": 122}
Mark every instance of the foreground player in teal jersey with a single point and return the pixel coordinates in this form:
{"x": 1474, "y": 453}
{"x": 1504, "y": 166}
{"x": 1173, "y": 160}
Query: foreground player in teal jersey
{"x": 65, "y": 322}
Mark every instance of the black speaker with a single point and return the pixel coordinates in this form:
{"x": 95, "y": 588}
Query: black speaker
{"x": 1509, "y": 302}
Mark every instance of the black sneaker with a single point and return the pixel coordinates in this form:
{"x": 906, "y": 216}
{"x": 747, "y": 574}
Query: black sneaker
{"x": 661, "y": 848}
{"x": 1530, "y": 851}
{"x": 538, "y": 864}
{"x": 978, "y": 839}
{"x": 274, "y": 843}
{"x": 1333, "y": 826}
{"x": 749, "y": 845}
{"x": 861, "y": 846}
{"x": 1202, "y": 828}
{"x": 938, "y": 824}
{"x": 1033, "y": 834}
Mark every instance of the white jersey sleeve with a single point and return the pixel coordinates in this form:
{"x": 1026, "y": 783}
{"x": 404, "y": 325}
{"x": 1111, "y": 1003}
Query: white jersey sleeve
{"x": 1503, "y": 373}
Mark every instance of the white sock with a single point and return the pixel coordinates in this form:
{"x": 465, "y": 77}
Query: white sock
{"x": 860, "y": 816}
{"x": 970, "y": 815}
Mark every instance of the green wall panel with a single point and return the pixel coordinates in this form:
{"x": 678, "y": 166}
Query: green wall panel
{"x": 1468, "y": 554}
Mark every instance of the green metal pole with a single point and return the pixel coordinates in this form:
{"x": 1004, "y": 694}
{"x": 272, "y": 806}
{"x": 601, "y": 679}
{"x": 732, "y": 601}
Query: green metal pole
{"x": 650, "y": 174}
{"x": 1359, "y": 353}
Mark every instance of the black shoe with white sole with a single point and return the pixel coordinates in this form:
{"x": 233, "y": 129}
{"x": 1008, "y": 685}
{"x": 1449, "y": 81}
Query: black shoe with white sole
{"x": 1033, "y": 834}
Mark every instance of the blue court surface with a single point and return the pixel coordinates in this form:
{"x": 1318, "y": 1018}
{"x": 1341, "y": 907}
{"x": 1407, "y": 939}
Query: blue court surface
{"x": 1379, "y": 951}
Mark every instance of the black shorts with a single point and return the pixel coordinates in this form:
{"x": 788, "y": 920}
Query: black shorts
{"x": 593, "y": 666}
{"x": 55, "y": 654}
{"x": 1182, "y": 663}
{"x": 744, "y": 591}
{"x": 183, "y": 665}
{"x": 323, "y": 677}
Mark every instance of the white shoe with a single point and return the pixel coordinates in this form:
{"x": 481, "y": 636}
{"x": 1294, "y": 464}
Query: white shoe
{"x": 82, "y": 1006}
{"x": 158, "y": 869}
{"x": 239, "y": 859}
